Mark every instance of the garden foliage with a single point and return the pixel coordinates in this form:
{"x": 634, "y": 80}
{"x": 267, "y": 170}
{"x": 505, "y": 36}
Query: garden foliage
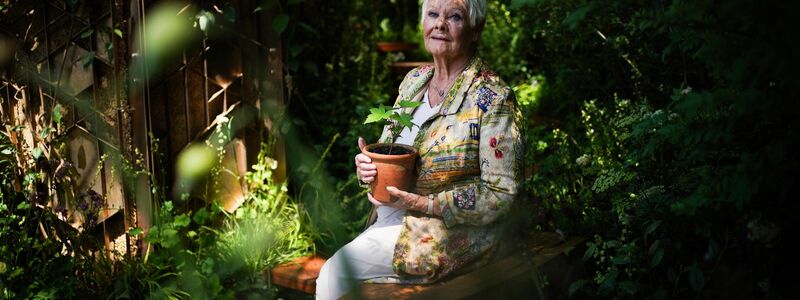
{"x": 665, "y": 131}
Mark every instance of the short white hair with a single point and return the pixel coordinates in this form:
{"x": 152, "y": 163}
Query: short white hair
{"x": 476, "y": 12}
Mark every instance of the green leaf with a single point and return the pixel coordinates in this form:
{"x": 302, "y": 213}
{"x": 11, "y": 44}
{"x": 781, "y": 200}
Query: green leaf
{"x": 653, "y": 226}
{"x": 37, "y": 152}
{"x": 205, "y": 19}
{"x": 87, "y": 33}
{"x": 229, "y": 13}
{"x": 23, "y": 205}
{"x": 575, "y": 286}
{"x": 135, "y": 231}
{"x": 57, "y": 114}
{"x": 404, "y": 120}
{"x": 408, "y": 104}
{"x": 167, "y": 206}
{"x": 207, "y": 267}
{"x": 619, "y": 260}
{"x": 280, "y": 23}
{"x": 377, "y": 114}
{"x": 574, "y": 18}
{"x": 267, "y": 4}
{"x": 590, "y": 251}
{"x": 628, "y": 286}
{"x": 608, "y": 282}
{"x": 200, "y": 216}
{"x": 7, "y": 151}
{"x": 169, "y": 237}
{"x": 696, "y": 278}
{"x": 308, "y": 28}
{"x": 182, "y": 220}
{"x": 657, "y": 258}
{"x": 118, "y": 32}
{"x": 45, "y": 132}
{"x": 88, "y": 59}
{"x": 295, "y": 49}
{"x": 152, "y": 235}
{"x": 516, "y": 4}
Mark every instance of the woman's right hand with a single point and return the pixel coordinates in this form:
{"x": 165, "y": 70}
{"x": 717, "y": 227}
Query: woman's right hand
{"x": 365, "y": 170}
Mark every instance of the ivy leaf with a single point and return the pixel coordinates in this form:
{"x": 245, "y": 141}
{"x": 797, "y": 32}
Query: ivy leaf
{"x": 135, "y": 231}
{"x": 118, "y": 32}
{"x": 280, "y": 23}
{"x": 408, "y": 104}
{"x": 377, "y": 114}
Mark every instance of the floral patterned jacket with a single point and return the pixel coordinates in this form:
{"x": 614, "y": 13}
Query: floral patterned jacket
{"x": 470, "y": 155}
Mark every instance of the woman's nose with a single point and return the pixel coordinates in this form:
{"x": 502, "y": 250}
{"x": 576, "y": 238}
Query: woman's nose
{"x": 439, "y": 23}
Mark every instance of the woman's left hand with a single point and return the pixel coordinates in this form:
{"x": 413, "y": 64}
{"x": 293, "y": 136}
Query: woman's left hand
{"x": 403, "y": 200}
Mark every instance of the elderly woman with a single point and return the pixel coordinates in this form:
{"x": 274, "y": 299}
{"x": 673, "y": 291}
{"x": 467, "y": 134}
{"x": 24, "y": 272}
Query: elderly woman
{"x": 468, "y": 171}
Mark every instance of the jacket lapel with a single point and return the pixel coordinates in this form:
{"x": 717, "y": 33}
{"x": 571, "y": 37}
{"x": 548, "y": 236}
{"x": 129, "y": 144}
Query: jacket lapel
{"x": 415, "y": 90}
{"x": 453, "y": 102}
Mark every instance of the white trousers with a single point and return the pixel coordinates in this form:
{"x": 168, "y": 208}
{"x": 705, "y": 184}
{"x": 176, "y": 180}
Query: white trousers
{"x": 367, "y": 256}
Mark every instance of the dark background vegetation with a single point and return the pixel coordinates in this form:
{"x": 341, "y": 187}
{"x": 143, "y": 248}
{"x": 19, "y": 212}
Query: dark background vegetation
{"x": 665, "y": 131}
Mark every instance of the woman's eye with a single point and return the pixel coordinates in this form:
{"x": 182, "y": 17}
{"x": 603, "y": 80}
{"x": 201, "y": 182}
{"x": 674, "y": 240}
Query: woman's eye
{"x": 455, "y": 17}
{"x": 433, "y": 15}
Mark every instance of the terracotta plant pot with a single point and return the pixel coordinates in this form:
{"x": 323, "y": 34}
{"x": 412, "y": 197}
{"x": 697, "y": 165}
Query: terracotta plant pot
{"x": 395, "y": 170}
{"x": 397, "y": 46}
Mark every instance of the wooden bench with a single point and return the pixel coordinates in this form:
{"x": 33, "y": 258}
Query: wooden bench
{"x": 544, "y": 269}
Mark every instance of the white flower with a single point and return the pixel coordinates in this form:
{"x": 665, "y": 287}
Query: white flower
{"x": 672, "y": 116}
{"x": 583, "y": 160}
{"x": 221, "y": 119}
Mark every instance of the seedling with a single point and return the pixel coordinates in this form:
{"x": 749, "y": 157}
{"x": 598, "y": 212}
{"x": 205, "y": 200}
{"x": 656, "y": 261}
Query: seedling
{"x": 394, "y": 117}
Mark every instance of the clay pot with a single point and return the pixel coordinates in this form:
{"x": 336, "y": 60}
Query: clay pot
{"x": 395, "y": 170}
{"x": 396, "y": 46}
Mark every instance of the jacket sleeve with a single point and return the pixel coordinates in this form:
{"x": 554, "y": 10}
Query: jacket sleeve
{"x": 500, "y": 157}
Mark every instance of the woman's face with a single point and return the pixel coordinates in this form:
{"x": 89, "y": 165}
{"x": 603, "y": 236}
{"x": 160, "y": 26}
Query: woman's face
{"x": 446, "y": 30}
